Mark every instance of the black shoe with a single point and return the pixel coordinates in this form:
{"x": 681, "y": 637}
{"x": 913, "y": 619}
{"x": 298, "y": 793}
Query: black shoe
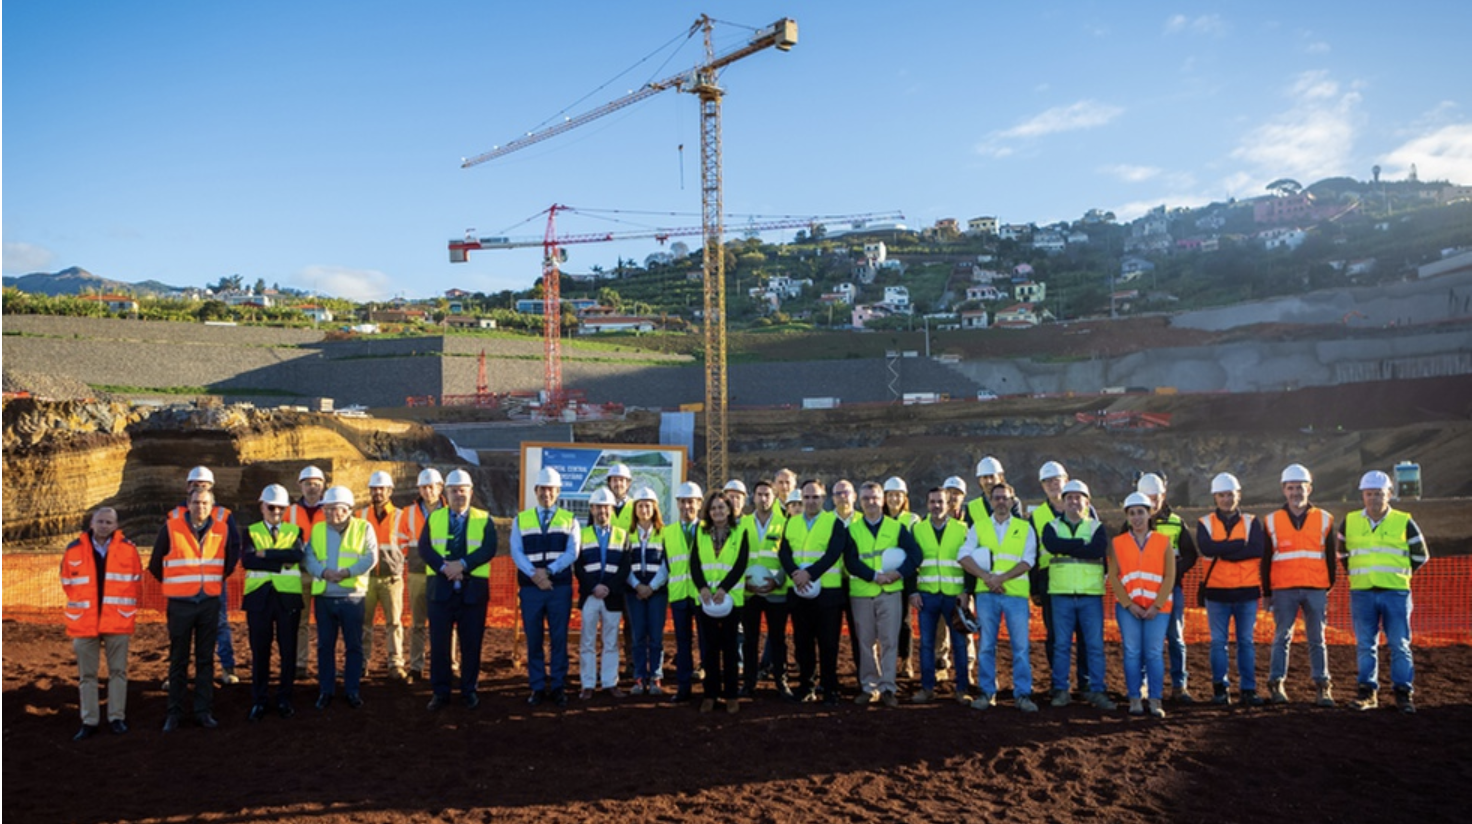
{"x": 472, "y": 700}
{"x": 536, "y": 698}
{"x": 680, "y": 697}
{"x": 1219, "y": 695}
{"x": 745, "y": 692}
{"x": 1250, "y": 698}
{"x": 323, "y": 701}
{"x": 559, "y": 697}
{"x": 87, "y": 731}
{"x": 437, "y": 703}
{"x": 257, "y": 712}
{"x": 118, "y": 726}
{"x": 285, "y": 709}
{"x": 206, "y": 720}
{"x": 830, "y": 699}
{"x": 355, "y": 700}
{"x": 171, "y": 723}
{"x": 788, "y": 695}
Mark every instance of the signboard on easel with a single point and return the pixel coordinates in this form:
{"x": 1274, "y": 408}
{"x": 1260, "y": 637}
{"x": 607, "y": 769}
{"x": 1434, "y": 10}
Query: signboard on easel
{"x": 584, "y": 468}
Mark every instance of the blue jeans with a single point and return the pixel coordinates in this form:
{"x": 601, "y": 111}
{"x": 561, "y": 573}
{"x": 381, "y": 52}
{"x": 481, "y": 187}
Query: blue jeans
{"x": 1219, "y": 615}
{"x": 647, "y": 619}
{"x": 935, "y": 609}
{"x": 991, "y": 610}
{"x": 1085, "y": 612}
{"x": 1144, "y": 652}
{"x": 546, "y": 614}
{"x": 1371, "y": 610}
{"x": 1286, "y": 604}
{"x": 1175, "y": 638}
{"x": 334, "y": 616}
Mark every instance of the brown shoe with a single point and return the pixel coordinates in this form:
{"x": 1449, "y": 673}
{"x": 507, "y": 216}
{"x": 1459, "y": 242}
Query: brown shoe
{"x": 708, "y": 705}
{"x": 732, "y": 706}
{"x": 585, "y": 695}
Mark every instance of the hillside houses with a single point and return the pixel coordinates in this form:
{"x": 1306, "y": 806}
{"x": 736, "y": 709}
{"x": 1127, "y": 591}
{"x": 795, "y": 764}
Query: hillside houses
{"x": 116, "y": 304}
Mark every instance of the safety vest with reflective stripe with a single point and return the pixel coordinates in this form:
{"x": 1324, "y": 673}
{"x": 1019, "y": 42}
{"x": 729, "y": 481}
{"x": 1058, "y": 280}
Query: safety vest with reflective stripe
{"x": 623, "y": 516}
{"x": 871, "y": 554}
{"x": 764, "y": 553}
{"x": 122, "y": 586}
{"x": 1379, "y": 558}
{"x": 647, "y": 556}
{"x": 1224, "y": 574}
{"x": 475, "y": 531}
{"x": 810, "y": 545}
{"x": 408, "y": 523}
{"x": 1068, "y": 575}
{"x": 588, "y": 560}
{"x": 677, "y": 548}
{"x": 1007, "y": 554}
{"x": 304, "y": 519}
{"x": 289, "y": 579}
{"x": 1041, "y": 516}
{"x": 940, "y": 572}
{"x": 350, "y": 548}
{"x": 717, "y": 565}
{"x": 1298, "y": 554}
{"x": 1171, "y": 528}
{"x": 382, "y": 530}
{"x": 191, "y": 569}
{"x": 1142, "y": 570}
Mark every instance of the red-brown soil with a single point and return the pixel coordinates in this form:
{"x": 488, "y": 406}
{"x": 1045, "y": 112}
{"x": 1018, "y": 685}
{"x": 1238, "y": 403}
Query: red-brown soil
{"x": 636, "y": 761}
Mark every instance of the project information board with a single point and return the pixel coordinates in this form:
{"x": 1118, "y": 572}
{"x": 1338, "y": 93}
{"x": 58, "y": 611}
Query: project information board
{"x": 584, "y": 467}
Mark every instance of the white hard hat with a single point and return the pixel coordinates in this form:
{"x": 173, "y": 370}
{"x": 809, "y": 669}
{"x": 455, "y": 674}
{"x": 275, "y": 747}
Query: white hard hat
{"x": 459, "y": 478}
{"x": 1150, "y": 484}
{"x": 896, "y": 484}
{"x": 758, "y": 575}
{"x": 549, "y": 477}
{"x": 644, "y": 493}
{"x": 689, "y": 489}
{"x": 1137, "y": 499}
{"x": 1225, "y": 482}
{"x": 201, "y": 473}
{"x": 988, "y": 466}
{"x": 811, "y": 591}
{"x": 1077, "y": 486}
{"x": 1296, "y": 472}
{"x": 311, "y": 472}
{"x": 601, "y": 497}
{"x": 275, "y": 495}
{"x": 892, "y": 559}
{"x": 734, "y": 485}
{"x": 954, "y": 482}
{"x": 794, "y": 497}
{"x": 1051, "y": 469}
{"x": 429, "y": 477}
{"x": 338, "y": 495}
{"x": 620, "y": 471}
{"x": 719, "y": 610}
{"x": 1375, "y": 479}
{"x": 381, "y": 479}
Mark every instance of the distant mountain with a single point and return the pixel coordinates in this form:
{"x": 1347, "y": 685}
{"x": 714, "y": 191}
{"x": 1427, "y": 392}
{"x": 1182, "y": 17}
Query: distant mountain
{"x": 75, "y": 281}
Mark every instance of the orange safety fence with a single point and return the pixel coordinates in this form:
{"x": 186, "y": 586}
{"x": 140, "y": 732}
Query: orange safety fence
{"x": 1442, "y": 592}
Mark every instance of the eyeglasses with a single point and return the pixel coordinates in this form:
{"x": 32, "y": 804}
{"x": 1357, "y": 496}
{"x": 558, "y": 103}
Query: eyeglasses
{"x": 271, "y": 508}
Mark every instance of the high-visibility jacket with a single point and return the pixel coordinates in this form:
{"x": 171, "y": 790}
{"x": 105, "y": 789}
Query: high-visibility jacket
{"x": 715, "y": 564}
{"x": 1298, "y": 560}
{"x": 289, "y": 579}
{"x": 388, "y": 561}
{"x": 677, "y": 548}
{"x": 1041, "y": 516}
{"x": 350, "y": 547}
{"x": 1142, "y": 571}
{"x": 647, "y": 556}
{"x": 940, "y": 572}
{"x": 1379, "y": 558}
{"x": 623, "y": 516}
{"x": 475, "y": 532}
{"x": 111, "y": 608}
{"x": 764, "y": 552}
{"x": 1171, "y": 527}
{"x": 408, "y": 523}
{"x": 1225, "y": 574}
{"x": 871, "y": 554}
{"x": 1068, "y": 575}
{"x": 1007, "y": 554}
{"x": 589, "y": 562}
{"x": 192, "y": 568}
{"x": 543, "y": 547}
{"x": 808, "y": 545}
{"x": 305, "y": 519}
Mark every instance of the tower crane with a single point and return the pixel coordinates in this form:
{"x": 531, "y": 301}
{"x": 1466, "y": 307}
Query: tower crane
{"x": 701, "y": 81}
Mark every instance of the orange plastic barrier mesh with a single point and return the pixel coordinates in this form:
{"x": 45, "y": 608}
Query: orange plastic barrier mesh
{"x": 1442, "y": 591}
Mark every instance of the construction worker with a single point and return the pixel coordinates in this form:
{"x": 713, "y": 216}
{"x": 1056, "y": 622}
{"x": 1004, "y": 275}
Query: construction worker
{"x": 305, "y": 514}
{"x": 102, "y": 577}
{"x": 386, "y": 579}
{"x": 792, "y": 504}
{"x": 618, "y": 481}
{"x": 339, "y": 555}
{"x": 545, "y": 542}
{"x": 273, "y": 601}
{"x": 1052, "y": 477}
{"x": 736, "y": 493}
{"x": 646, "y": 596}
{"x": 876, "y": 584}
{"x": 1234, "y": 542}
{"x": 811, "y": 552}
{"x": 1381, "y": 548}
{"x": 1000, "y": 548}
{"x": 1141, "y": 570}
{"x": 200, "y": 477}
{"x": 1299, "y": 571}
{"x": 457, "y": 545}
{"x": 1077, "y": 545}
{"x": 766, "y": 592}
{"x": 718, "y": 574}
{"x": 989, "y": 473}
{"x": 410, "y": 526}
{"x": 954, "y": 488}
{"x": 784, "y": 483}
{"x": 939, "y": 585}
{"x": 193, "y": 554}
{"x": 601, "y": 568}
{"x": 897, "y": 506}
{"x": 1153, "y": 486}
{"x": 679, "y": 543}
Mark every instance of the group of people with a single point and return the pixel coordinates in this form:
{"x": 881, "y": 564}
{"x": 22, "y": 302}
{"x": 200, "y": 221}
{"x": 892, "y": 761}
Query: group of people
{"x": 734, "y": 560}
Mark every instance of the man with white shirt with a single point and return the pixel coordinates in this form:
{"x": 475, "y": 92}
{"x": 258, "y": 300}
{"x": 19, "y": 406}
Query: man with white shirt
{"x": 999, "y": 551}
{"x": 545, "y": 541}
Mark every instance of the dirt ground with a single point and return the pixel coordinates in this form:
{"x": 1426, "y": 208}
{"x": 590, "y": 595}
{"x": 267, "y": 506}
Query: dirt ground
{"x": 391, "y": 761}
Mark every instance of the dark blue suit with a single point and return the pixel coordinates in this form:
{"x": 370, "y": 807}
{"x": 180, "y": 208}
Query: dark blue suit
{"x": 456, "y": 604}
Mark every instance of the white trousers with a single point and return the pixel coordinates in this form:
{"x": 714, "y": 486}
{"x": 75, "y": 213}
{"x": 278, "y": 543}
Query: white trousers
{"x": 594, "y": 611}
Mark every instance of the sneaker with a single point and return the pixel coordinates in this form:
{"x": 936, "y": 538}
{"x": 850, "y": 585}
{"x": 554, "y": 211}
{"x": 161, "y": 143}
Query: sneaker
{"x": 1156, "y": 711}
{"x": 1061, "y": 698}
{"x": 1326, "y": 695}
{"x": 963, "y": 699}
{"x": 1099, "y": 700}
{"x": 889, "y": 699}
{"x": 1403, "y": 701}
{"x": 637, "y": 689}
{"x": 733, "y": 706}
{"x": 1219, "y": 695}
{"x": 865, "y": 698}
{"x": 1137, "y": 707}
{"x": 656, "y": 688}
{"x": 229, "y": 677}
{"x": 708, "y": 705}
{"x": 922, "y": 696}
{"x": 984, "y": 702}
{"x": 1276, "y": 693}
{"x": 1368, "y": 699}
{"x": 1025, "y": 703}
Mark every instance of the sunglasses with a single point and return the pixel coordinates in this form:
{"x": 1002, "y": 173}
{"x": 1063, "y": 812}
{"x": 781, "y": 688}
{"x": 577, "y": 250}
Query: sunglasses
{"x": 272, "y": 508}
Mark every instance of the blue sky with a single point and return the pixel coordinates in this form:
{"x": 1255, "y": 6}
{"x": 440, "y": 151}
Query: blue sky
{"x": 318, "y": 144}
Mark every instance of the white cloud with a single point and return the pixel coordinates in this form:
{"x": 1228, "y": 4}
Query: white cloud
{"x": 342, "y": 282}
{"x": 1313, "y": 139}
{"x": 1085, "y": 114}
{"x": 1317, "y": 47}
{"x": 1443, "y": 154}
{"x": 1204, "y": 24}
{"x": 1130, "y": 173}
{"x": 26, "y": 258}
